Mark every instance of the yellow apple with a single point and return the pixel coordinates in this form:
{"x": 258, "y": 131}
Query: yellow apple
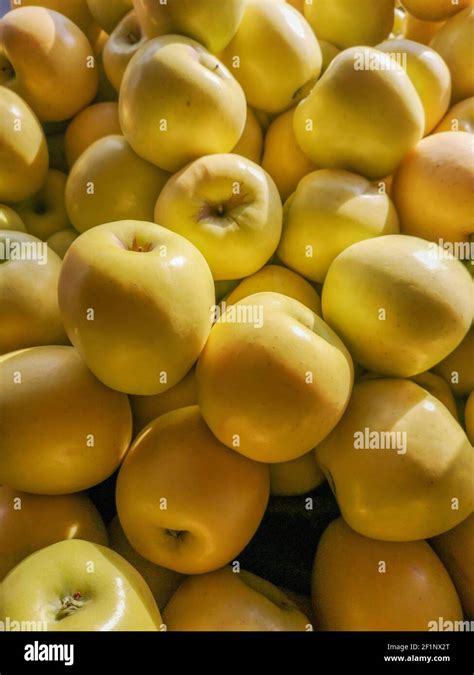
{"x": 330, "y": 210}
{"x": 435, "y": 10}
{"x": 29, "y": 275}
{"x": 346, "y": 23}
{"x": 469, "y": 417}
{"x": 75, "y": 10}
{"x": 232, "y": 601}
{"x": 280, "y": 142}
{"x": 420, "y": 31}
{"x": 229, "y": 208}
{"x": 273, "y": 378}
{"x": 296, "y": 477}
{"x": 23, "y": 150}
{"x": 147, "y": 408}
{"x": 278, "y": 280}
{"x": 60, "y": 241}
{"x": 31, "y": 522}
{"x": 363, "y": 115}
{"x": 44, "y": 213}
{"x": 398, "y": 463}
{"x": 456, "y": 550}
{"x": 10, "y": 220}
{"x": 77, "y": 585}
{"x": 110, "y": 182}
{"x": 399, "y": 303}
{"x": 77, "y": 431}
{"x": 177, "y": 493}
{"x": 161, "y": 581}
{"x": 48, "y": 61}
{"x": 459, "y": 118}
{"x": 136, "y": 301}
{"x": 251, "y": 142}
{"x": 211, "y": 24}
{"x": 273, "y": 55}
{"x": 178, "y": 102}
{"x": 454, "y": 42}
{"x": 432, "y": 189}
{"x": 429, "y": 74}
{"x": 123, "y": 43}
{"x": 457, "y": 369}
{"x": 91, "y": 124}
{"x": 359, "y": 584}
{"x": 438, "y": 388}
{"x": 108, "y": 13}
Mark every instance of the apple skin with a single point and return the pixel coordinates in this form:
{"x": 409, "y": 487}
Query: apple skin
{"x": 459, "y": 118}
{"x": 31, "y": 522}
{"x": 197, "y": 528}
{"x": 55, "y": 585}
{"x": 103, "y": 166}
{"x": 44, "y": 213}
{"x": 162, "y": 581}
{"x": 232, "y": 601}
{"x": 201, "y": 108}
{"x": 94, "y": 122}
{"x": 60, "y": 241}
{"x": 440, "y": 172}
{"x": 415, "y": 300}
{"x": 123, "y": 43}
{"x": 330, "y": 210}
{"x": 28, "y": 297}
{"x": 10, "y": 220}
{"x": 151, "y": 292}
{"x": 273, "y": 54}
{"x": 414, "y": 589}
{"x": 298, "y": 370}
{"x": 457, "y": 369}
{"x": 435, "y": 10}
{"x": 345, "y": 23}
{"x": 250, "y": 144}
{"x": 297, "y": 477}
{"x": 362, "y": 120}
{"x": 277, "y": 279}
{"x": 438, "y": 388}
{"x": 75, "y": 10}
{"x": 48, "y": 54}
{"x": 453, "y": 42}
{"x": 429, "y": 74}
{"x": 199, "y": 19}
{"x": 391, "y": 495}
{"x": 420, "y": 31}
{"x": 237, "y": 232}
{"x": 77, "y": 430}
{"x": 147, "y": 408}
{"x": 108, "y": 13}
{"x": 24, "y": 152}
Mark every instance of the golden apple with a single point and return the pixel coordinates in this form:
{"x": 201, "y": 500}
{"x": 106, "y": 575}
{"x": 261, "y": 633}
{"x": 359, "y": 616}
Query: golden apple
{"x": 429, "y": 74}
{"x": 435, "y": 10}
{"x": 232, "y": 601}
{"x": 459, "y": 118}
{"x": 77, "y": 585}
{"x": 178, "y": 102}
{"x": 60, "y": 241}
{"x": 161, "y": 581}
{"x": 437, "y": 387}
{"x": 29, "y": 275}
{"x": 229, "y": 208}
{"x": 31, "y": 522}
{"x": 123, "y": 43}
{"x": 346, "y": 23}
{"x": 108, "y": 13}
{"x": 48, "y": 61}
{"x": 91, "y": 124}
{"x": 398, "y": 462}
{"x": 136, "y": 301}
{"x": 363, "y": 115}
{"x": 23, "y": 150}
{"x": 10, "y": 220}
{"x": 75, "y": 10}
{"x": 420, "y": 31}
{"x": 296, "y": 477}
{"x": 432, "y": 189}
{"x": 282, "y": 157}
{"x": 457, "y": 369}
{"x": 278, "y": 280}
{"x": 44, "y": 213}
{"x": 330, "y": 210}
{"x": 273, "y": 55}
{"x": 251, "y": 142}
{"x": 273, "y": 378}
{"x": 360, "y": 584}
{"x": 77, "y": 430}
{"x": 454, "y": 42}
{"x": 399, "y": 303}
{"x": 177, "y": 493}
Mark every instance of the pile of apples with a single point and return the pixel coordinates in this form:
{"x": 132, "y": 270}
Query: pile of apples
{"x": 256, "y": 219}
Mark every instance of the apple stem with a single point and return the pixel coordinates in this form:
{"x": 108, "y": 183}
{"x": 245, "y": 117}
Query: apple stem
{"x": 69, "y": 605}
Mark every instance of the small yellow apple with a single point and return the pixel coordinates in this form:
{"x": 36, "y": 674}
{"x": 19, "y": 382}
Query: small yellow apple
{"x": 108, "y": 13}
{"x": 457, "y": 369}
{"x": 123, "y": 43}
{"x": 44, "y": 213}
{"x": 296, "y": 477}
{"x": 75, "y": 10}
{"x": 459, "y": 118}
{"x": 229, "y": 208}
{"x": 92, "y": 123}
{"x": 250, "y": 144}
{"x": 10, "y": 220}
{"x": 435, "y": 10}
{"x": 60, "y": 241}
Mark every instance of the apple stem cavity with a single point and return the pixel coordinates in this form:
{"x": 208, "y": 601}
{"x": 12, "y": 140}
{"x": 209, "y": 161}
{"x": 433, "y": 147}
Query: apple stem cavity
{"x": 69, "y": 605}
